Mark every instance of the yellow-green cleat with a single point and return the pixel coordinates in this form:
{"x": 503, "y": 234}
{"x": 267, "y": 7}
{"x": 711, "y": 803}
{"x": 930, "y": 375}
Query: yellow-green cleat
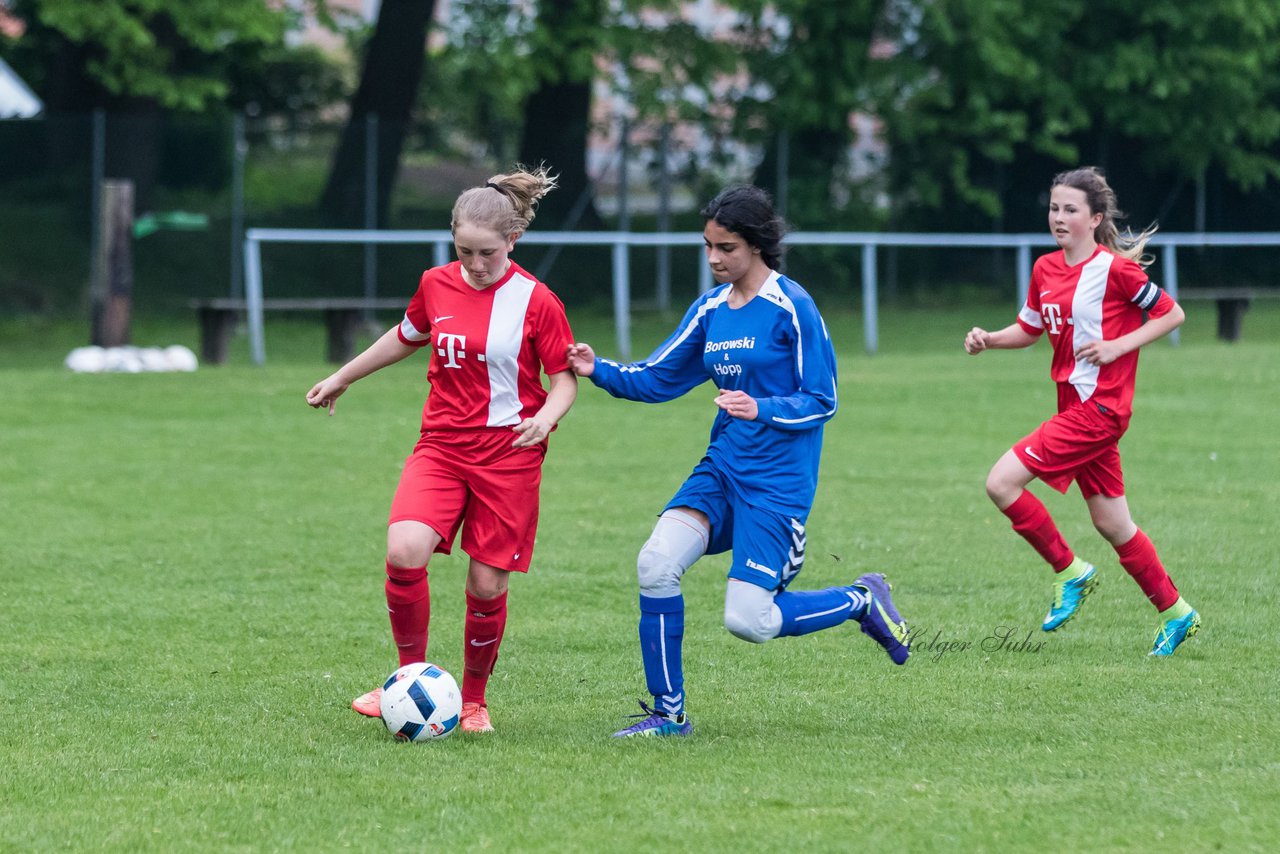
{"x": 1171, "y": 633}
{"x": 1068, "y": 596}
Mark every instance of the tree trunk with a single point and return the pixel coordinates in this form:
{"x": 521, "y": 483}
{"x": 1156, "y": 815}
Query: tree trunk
{"x": 113, "y": 273}
{"x": 388, "y": 88}
{"x": 558, "y": 113}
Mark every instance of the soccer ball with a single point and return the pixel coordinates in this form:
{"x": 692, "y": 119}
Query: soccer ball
{"x": 420, "y": 702}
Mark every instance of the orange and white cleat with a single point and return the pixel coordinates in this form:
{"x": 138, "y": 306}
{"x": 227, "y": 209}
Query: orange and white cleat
{"x": 475, "y": 718}
{"x": 369, "y": 704}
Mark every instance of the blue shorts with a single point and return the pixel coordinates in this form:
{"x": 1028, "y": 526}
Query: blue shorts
{"x": 768, "y": 547}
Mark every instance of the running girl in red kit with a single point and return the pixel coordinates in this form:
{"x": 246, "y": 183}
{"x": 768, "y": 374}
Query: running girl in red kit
{"x": 491, "y": 330}
{"x": 1090, "y": 299}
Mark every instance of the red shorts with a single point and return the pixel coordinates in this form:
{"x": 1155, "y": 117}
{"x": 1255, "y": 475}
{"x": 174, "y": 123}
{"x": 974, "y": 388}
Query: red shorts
{"x": 474, "y": 477}
{"x": 1081, "y": 444}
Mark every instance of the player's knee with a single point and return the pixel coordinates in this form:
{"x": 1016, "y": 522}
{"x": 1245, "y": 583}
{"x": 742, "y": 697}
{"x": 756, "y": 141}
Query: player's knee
{"x": 1115, "y": 531}
{"x": 997, "y": 490}
{"x": 410, "y": 543}
{"x": 676, "y": 542}
{"x": 750, "y": 627}
{"x": 746, "y": 627}
{"x": 749, "y": 613}
{"x": 405, "y": 550}
{"x": 659, "y": 575}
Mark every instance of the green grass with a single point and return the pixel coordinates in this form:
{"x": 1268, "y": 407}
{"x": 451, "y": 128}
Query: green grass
{"x": 191, "y": 565}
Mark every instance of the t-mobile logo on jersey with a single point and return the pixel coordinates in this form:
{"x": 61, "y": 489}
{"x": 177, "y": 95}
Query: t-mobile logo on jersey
{"x": 1052, "y": 314}
{"x": 452, "y": 348}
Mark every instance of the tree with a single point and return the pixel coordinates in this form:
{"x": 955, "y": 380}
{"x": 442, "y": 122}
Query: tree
{"x": 557, "y": 113}
{"x": 485, "y": 67}
{"x": 392, "y": 71}
{"x": 100, "y": 51}
{"x": 136, "y": 59}
{"x": 809, "y": 64}
{"x": 979, "y": 91}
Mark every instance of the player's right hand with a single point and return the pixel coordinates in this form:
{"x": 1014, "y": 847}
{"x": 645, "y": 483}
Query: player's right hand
{"x": 976, "y": 341}
{"x": 582, "y": 359}
{"x": 326, "y": 393}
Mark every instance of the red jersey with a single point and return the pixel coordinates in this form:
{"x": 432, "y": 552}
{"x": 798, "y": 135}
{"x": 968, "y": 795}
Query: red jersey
{"x": 1101, "y": 298}
{"x": 489, "y": 346}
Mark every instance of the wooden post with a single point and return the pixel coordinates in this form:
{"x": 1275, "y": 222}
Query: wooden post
{"x": 113, "y": 268}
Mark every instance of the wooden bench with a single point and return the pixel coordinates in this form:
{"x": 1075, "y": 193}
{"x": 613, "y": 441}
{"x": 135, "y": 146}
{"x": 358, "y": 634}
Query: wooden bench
{"x": 1232, "y": 304}
{"x": 342, "y": 319}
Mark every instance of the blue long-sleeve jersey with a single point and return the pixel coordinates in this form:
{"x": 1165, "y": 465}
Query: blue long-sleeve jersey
{"x": 775, "y": 348}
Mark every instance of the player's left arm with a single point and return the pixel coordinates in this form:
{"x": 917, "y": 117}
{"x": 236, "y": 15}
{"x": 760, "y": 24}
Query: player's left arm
{"x": 551, "y": 337}
{"x": 814, "y": 402}
{"x": 1163, "y": 316}
{"x": 538, "y": 426}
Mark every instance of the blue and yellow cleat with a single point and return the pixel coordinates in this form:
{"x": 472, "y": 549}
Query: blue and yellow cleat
{"x": 882, "y": 622}
{"x": 1068, "y": 596}
{"x": 1171, "y": 633}
{"x": 656, "y": 723}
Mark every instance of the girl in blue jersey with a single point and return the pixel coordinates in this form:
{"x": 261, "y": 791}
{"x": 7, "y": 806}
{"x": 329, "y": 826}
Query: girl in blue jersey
{"x": 759, "y": 337}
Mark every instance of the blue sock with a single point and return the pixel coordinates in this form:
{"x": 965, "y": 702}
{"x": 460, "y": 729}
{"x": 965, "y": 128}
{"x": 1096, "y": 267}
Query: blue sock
{"x": 661, "y": 636}
{"x": 814, "y": 610}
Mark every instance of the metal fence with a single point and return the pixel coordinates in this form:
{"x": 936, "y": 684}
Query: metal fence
{"x": 621, "y": 242}
{"x": 236, "y": 173}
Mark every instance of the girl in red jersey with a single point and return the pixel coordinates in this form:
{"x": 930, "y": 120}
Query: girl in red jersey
{"x": 1090, "y": 298}
{"x": 492, "y": 329}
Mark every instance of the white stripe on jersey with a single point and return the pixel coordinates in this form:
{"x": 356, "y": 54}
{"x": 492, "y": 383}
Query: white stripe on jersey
{"x": 1086, "y": 316}
{"x": 712, "y": 302}
{"x": 772, "y": 291}
{"x": 1030, "y": 317}
{"x": 410, "y": 332}
{"x": 502, "y": 349}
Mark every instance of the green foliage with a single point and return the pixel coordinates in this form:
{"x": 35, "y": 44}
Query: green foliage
{"x": 148, "y": 49}
{"x": 812, "y": 58}
{"x": 972, "y": 83}
{"x": 277, "y": 79}
{"x": 1200, "y": 82}
{"x": 475, "y": 85}
{"x": 667, "y": 66}
{"x": 192, "y": 596}
{"x": 565, "y": 40}
{"x": 809, "y": 70}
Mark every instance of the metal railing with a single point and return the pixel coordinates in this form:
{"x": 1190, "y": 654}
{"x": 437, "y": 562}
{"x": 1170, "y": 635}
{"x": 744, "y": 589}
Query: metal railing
{"x": 621, "y": 242}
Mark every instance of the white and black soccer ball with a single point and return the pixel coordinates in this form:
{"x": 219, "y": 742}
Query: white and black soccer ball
{"x": 420, "y": 702}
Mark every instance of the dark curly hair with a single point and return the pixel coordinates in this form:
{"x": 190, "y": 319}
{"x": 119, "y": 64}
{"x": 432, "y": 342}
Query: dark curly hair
{"x": 748, "y": 212}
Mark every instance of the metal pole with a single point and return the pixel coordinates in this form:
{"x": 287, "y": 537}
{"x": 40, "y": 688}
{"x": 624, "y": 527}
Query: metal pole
{"x": 253, "y": 298}
{"x": 370, "y": 209}
{"x": 97, "y": 174}
{"x": 1170, "y": 261}
{"x": 624, "y": 180}
{"x": 240, "y": 151}
{"x": 784, "y": 154}
{"x": 870, "y": 323}
{"x": 664, "y": 218}
{"x": 1200, "y": 203}
{"x": 1024, "y": 273}
{"x": 622, "y": 300}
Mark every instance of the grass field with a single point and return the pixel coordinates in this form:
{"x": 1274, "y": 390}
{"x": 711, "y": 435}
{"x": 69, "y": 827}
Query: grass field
{"x": 191, "y": 594}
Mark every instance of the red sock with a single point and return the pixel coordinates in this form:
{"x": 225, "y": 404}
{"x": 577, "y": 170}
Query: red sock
{"x": 1139, "y": 558}
{"x": 1033, "y": 522}
{"x": 409, "y": 606}
{"x": 482, "y": 635}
